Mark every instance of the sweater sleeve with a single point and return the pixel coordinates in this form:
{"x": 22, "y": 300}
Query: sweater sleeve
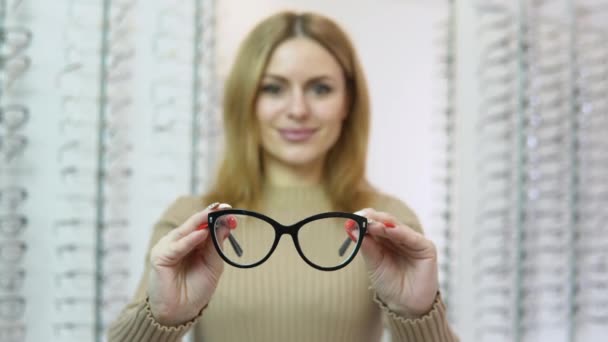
{"x": 432, "y": 327}
{"x": 135, "y": 322}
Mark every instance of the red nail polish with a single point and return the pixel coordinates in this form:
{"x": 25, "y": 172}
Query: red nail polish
{"x": 389, "y": 224}
{"x": 232, "y": 223}
{"x": 349, "y": 225}
{"x": 351, "y": 235}
{"x": 202, "y": 226}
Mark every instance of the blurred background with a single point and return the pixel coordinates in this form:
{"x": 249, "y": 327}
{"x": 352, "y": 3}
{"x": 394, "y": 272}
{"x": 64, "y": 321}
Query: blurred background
{"x": 488, "y": 119}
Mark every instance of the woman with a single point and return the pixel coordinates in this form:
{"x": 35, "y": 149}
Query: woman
{"x": 296, "y": 117}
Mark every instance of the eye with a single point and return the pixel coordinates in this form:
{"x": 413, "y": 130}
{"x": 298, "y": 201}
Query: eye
{"x": 321, "y": 89}
{"x": 271, "y": 88}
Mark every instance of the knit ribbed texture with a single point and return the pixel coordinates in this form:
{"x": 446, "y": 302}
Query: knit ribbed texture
{"x": 431, "y": 327}
{"x": 284, "y": 299}
{"x": 140, "y": 325}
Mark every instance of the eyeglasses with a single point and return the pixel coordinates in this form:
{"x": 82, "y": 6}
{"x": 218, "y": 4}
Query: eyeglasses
{"x": 86, "y": 14}
{"x": 76, "y": 331}
{"x": 12, "y": 196}
{"x": 12, "y": 251}
{"x": 321, "y": 240}
{"x": 74, "y": 173}
{"x": 12, "y": 333}
{"x": 12, "y": 146}
{"x": 13, "y": 117}
{"x": 77, "y": 280}
{"x": 74, "y": 303}
{"x": 11, "y": 225}
{"x": 14, "y": 40}
{"x": 113, "y": 254}
{"x": 12, "y": 308}
{"x": 11, "y": 280}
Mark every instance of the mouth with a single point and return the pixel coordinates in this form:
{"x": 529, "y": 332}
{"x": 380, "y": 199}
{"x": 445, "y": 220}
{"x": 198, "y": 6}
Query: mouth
{"x": 297, "y": 135}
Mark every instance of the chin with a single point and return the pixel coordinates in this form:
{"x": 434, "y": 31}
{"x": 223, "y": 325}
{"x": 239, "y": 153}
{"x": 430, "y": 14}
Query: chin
{"x": 296, "y": 156}
{"x": 299, "y": 159}
{"x": 299, "y": 162}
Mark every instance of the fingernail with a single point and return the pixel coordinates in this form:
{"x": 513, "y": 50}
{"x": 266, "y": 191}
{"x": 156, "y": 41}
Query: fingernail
{"x": 224, "y": 206}
{"x": 351, "y": 235}
{"x": 232, "y": 222}
{"x": 349, "y": 225}
{"x": 212, "y": 206}
{"x": 202, "y": 226}
{"x": 389, "y": 224}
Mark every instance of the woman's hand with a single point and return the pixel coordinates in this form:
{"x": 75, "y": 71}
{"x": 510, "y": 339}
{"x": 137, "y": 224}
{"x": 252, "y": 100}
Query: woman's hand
{"x": 185, "y": 270}
{"x": 402, "y": 264}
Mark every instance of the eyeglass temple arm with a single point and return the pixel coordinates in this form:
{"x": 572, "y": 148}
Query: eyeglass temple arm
{"x": 344, "y": 246}
{"x": 235, "y": 245}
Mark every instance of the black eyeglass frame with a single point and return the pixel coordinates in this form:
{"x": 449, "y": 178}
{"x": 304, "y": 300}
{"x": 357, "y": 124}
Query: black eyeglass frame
{"x": 292, "y": 230}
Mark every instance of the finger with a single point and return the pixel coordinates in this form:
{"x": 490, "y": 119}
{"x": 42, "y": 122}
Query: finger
{"x": 397, "y": 237}
{"x": 194, "y": 221}
{"x": 177, "y": 250}
{"x": 381, "y": 223}
{"x": 410, "y": 242}
{"x": 222, "y": 230}
{"x": 377, "y": 222}
{"x": 378, "y": 217}
{"x": 210, "y": 256}
{"x": 372, "y": 253}
{"x": 379, "y": 229}
{"x": 208, "y": 252}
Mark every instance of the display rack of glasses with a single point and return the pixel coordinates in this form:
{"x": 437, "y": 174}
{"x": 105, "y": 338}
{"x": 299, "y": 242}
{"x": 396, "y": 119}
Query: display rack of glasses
{"x": 171, "y": 97}
{"x": 95, "y": 84}
{"x": 205, "y": 107}
{"x": 183, "y": 95}
{"x": 540, "y": 242}
{"x": 442, "y": 228}
{"x": 116, "y": 67}
{"x": 15, "y": 40}
{"x": 75, "y": 226}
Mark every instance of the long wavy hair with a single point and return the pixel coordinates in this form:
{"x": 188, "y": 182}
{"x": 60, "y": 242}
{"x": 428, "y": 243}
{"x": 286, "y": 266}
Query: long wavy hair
{"x": 240, "y": 177}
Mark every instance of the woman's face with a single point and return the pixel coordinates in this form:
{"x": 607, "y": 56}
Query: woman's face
{"x": 301, "y": 104}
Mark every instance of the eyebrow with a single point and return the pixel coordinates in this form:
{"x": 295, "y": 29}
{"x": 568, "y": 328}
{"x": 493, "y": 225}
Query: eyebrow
{"x": 311, "y": 80}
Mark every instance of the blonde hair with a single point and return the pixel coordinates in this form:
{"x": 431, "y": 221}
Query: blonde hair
{"x": 240, "y": 178}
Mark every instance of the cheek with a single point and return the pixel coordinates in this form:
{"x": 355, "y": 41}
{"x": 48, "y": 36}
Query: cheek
{"x": 267, "y": 109}
{"x": 332, "y": 111}
{"x": 265, "y": 112}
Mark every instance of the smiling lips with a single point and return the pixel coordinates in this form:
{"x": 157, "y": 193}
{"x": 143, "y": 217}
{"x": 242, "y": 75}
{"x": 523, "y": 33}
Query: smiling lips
{"x": 297, "y": 134}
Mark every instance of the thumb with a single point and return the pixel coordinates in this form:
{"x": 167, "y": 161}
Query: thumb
{"x": 211, "y": 257}
{"x": 372, "y": 253}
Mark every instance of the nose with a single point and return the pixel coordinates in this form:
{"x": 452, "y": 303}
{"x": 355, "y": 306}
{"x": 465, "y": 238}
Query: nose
{"x": 298, "y": 108}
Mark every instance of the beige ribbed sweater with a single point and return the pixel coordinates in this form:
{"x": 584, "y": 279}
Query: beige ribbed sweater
{"x": 284, "y": 299}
